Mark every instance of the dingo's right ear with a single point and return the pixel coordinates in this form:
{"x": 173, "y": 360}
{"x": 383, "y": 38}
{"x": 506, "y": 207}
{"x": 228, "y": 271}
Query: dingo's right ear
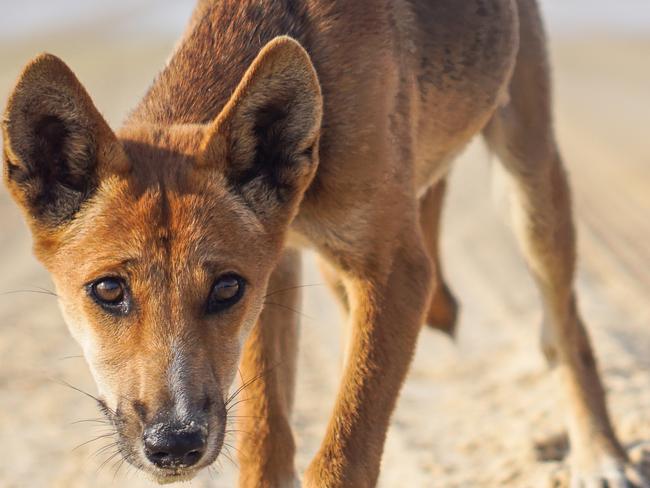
{"x": 57, "y": 146}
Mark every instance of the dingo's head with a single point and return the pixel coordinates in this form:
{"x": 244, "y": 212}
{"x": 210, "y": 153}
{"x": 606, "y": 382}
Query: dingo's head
{"x": 161, "y": 239}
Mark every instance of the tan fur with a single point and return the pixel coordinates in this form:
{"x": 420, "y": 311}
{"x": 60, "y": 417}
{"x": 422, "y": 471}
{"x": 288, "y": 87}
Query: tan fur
{"x": 443, "y": 311}
{"x": 247, "y": 147}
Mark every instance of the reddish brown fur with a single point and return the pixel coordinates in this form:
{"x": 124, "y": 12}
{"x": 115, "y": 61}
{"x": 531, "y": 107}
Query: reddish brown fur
{"x": 245, "y": 148}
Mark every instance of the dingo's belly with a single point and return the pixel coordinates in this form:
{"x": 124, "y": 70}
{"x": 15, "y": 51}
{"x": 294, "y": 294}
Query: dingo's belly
{"x": 466, "y": 54}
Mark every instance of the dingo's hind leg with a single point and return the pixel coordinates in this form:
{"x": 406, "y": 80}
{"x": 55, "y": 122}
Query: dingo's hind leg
{"x": 522, "y": 137}
{"x": 443, "y": 311}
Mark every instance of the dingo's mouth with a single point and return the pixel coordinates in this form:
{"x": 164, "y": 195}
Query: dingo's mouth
{"x": 174, "y": 477}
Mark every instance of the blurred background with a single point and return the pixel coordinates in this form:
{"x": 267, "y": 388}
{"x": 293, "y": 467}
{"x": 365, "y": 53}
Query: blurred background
{"x": 471, "y": 411}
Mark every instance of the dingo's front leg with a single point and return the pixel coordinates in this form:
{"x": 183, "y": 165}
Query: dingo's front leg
{"x": 387, "y": 303}
{"x": 268, "y": 366}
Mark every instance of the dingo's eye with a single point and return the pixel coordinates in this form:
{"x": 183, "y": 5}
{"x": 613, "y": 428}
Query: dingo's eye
{"x": 110, "y": 294}
{"x": 226, "y": 291}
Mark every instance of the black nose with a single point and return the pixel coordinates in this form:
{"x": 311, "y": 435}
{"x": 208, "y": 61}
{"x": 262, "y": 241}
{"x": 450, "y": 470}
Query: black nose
{"x": 173, "y": 447}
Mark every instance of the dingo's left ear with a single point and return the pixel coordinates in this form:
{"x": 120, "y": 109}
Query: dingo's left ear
{"x": 57, "y": 146}
{"x": 265, "y": 139}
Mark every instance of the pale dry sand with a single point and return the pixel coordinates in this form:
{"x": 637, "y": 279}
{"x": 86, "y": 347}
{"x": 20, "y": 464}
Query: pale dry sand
{"x": 470, "y": 412}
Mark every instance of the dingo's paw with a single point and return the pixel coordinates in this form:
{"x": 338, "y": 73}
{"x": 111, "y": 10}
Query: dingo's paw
{"x": 611, "y": 473}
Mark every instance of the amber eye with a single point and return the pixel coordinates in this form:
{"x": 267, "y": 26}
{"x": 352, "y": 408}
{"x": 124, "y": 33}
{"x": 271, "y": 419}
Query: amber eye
{"x": 226, "y": 291}
{"x": 110, "y": 294}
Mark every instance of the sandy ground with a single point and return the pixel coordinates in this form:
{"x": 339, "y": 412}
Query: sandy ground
{"x": 470, "y": 411}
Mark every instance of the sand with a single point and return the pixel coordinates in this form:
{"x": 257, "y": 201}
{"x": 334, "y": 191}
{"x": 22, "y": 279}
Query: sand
{"x": 471, "y": 411}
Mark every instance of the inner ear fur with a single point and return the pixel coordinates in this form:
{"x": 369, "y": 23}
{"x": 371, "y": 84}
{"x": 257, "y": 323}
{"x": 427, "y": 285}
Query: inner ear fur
{"x": 265, "y": 139}
{"x": 57, "y": 146}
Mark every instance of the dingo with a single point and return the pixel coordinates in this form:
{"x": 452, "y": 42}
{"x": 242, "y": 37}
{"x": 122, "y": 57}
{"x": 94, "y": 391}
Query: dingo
{"x": 276, "y": 125}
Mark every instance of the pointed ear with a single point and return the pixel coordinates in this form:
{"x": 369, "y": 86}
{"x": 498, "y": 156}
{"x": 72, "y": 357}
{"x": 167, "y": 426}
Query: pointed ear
{"x": 265, "y": 140}
{"x": 57, "y": 146}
